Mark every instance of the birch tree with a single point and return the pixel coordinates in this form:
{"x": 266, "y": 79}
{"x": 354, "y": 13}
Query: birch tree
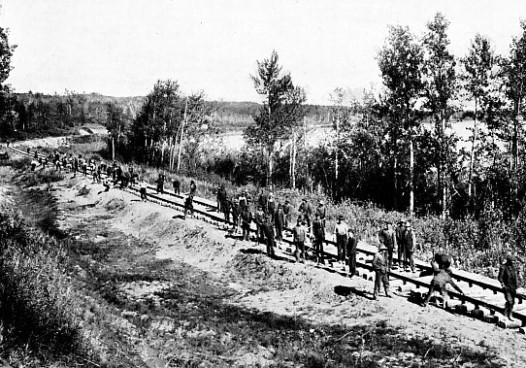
{"x": 515, "y": 76}
{"x": 480, "y": 70}
{"x": 400, "y": 62}
{"x": 280, "y": 111}
{"x": 440, "y": 86}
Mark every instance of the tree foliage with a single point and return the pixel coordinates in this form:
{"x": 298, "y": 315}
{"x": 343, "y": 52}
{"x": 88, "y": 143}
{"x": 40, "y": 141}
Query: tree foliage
{"x": 280, "y": 111}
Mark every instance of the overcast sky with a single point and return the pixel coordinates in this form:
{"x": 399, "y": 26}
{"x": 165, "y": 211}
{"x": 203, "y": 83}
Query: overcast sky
{"x": 121, "y": 47}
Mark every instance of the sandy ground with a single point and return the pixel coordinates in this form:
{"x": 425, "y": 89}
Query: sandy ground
{"x": 313, "y": 298}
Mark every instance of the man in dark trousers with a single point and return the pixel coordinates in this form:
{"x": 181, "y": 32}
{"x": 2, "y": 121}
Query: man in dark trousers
{"x": 508, "y": 280}
{"x": 401, "y": 251}
{"x": 246, "y": 220}
{"x": 318, "y": 231}
{"x": 271, "y": 205}
{"x": 299, "y": 240}
{"x": 409, "y": 244}
{"x": 160, "y": 183}
{"x": 259, "y": 219}
{"x": 322, "y": 211}
{"x": 439, "y": 283}
{"x": 279, "y": 221}
{"x": 287, "y": 211}
{"x": 243, "y": 200}
{"x": 268, "y": 228}
{"x": 381, "y": 272}
{"x": 221, "y": 195}
{"x": 263, "y": 201}
{"x": 193, "y": 188}
{"x": 306, "y": 211}
{"x": 341, "y": 230}
{"x": 352, "y": 247}
{"x": 189, "y": 205}
{"x": 177, "y": 186}
{"x": 387, "y": 237}
{"x": 226, "y": 210}
{"x": 235, "y": 214}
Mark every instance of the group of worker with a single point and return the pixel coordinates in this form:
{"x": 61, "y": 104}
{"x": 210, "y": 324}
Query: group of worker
{"x": 272, "y": 218}
{"x": 403, "y": 239}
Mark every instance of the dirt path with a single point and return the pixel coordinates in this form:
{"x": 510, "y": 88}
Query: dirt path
{"x": 293, "y": 290}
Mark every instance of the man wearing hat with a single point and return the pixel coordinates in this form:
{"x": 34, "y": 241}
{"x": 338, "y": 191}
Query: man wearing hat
{"x": 279, "y": 221}
{"x": 381, "y": 272}
{"x": 246, "y": 220}
{"x": 322, "y": 211}
{"x": 306, "y": 211}
{"x": 351, "y": 245}
{"x": 439, "y": 283}
{"x": 287, "y": 212}
{"x": 268, "y": 229}
{"x": 299, "y": 240}
{"x": 235, "y": 214}
{"x": 401, "y": 251}
{"x": 508, "y": 280}
{"x": 387, "y": 238}
{"x": 259, "y": 219}
{"x": 271, "y": 205}
{"x": 341, "y": 236}
{"x": 409, "y": 243}
{"x": 319, "y": 237}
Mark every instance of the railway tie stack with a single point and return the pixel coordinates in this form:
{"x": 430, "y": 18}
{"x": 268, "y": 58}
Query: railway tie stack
{"x": 483, "y": 298}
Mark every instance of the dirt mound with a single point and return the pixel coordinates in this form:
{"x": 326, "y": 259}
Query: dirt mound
{"x": 115, "y": 204}
{"x": 264, "y": 274}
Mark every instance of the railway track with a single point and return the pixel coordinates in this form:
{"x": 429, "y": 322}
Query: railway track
{"x": 483, "y": 298}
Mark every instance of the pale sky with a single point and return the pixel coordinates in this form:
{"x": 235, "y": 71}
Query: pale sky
{"x": 121, "y": 47}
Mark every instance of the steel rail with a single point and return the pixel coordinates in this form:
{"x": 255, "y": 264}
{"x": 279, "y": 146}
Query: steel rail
{"x": 364, "y": 265}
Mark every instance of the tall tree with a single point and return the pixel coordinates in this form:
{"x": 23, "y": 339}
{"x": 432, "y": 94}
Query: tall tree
{"x": 115, "y": 124}
{"x": 479, "y": 73}
{"x": 197, "y": 127}
{"x": 515, "y": 74}
{"x": 6, "y": 99}
{"x": 400, "y": 61}
{"x": 441, "y": 86}
{"x": 158, "y": 124}
{"x": 280, "y": 111}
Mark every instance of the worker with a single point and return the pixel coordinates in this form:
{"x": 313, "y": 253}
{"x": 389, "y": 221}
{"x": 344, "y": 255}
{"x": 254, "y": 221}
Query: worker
{"x": 439, "y": 283}
{"x": 246, "y": 220}
{"x": 387, "y": 238}
{"x": 341, "y": 235}
{"x": 352, "y": 248}
{"x": 318, "y": 232}
{"x": 508, "y": 280}
{"x": 409, "y": 244}
{"x": 279, "y": 221}
{"x": 381, "y": 272}
{"x": 299, "y": 240}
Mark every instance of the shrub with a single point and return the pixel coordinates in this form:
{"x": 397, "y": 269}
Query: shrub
{"x": 36, "y": 295}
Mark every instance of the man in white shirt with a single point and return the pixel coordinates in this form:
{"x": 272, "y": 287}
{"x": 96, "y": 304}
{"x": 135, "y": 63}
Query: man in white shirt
{"x": 341, "y": 238}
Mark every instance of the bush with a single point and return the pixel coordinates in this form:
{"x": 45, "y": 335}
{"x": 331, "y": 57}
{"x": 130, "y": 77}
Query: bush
{"x": 36, "y": 296}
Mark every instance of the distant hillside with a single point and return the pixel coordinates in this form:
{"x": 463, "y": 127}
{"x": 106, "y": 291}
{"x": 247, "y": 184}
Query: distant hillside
{"x": 235, "y": 116}
{"x": 90, "y": 108}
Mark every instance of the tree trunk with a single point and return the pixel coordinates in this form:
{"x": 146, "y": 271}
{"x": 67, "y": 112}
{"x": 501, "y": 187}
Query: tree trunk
{"x": 411, "y": 178}
{"x": 113, "y": 148}
{"x": 472, "y": 155}
{"x": 270, "y": 164}
{"x": 395, "y": 181}
{"x": 293, "y": 159}
{"x": 336, "y": 173}
{"x": 443, "y": 165}
{"x": 162, "y": 152}
{"x": 182, "y": 137}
